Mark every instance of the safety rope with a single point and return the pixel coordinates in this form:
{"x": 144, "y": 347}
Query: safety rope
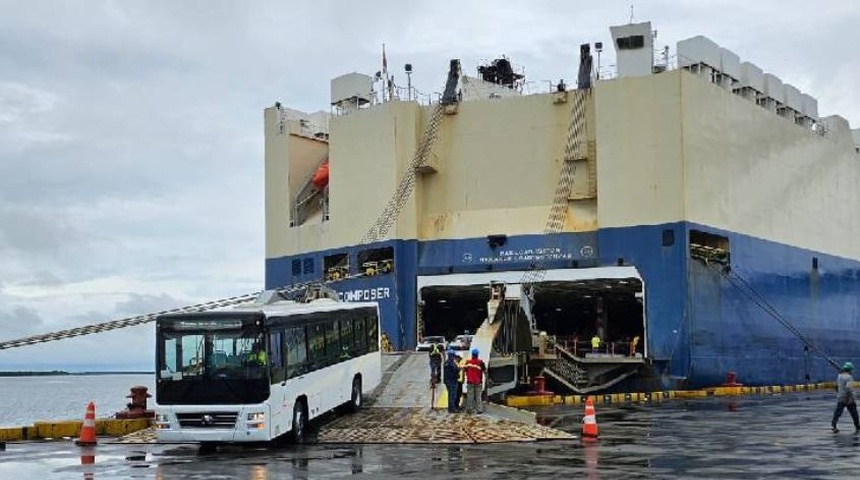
{"x": 746, "y": 289}
{"x": 149, "y": 317}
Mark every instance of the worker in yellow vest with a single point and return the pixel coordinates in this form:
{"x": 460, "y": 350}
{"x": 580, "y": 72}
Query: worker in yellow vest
{"x": 461, "y": 362}
{"x": 595, "y": 343}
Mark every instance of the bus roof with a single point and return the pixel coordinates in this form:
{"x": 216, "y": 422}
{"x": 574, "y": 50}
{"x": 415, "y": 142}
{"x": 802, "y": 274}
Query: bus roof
{"x": 289, "y": 307}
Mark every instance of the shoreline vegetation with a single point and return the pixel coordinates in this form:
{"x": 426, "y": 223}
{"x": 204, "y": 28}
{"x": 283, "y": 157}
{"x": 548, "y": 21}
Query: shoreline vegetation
{"x": 51, "y": 373}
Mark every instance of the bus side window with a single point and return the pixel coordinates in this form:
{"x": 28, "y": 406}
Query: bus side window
{"x": 332, "y": 342}
{"x": 316, "y": 345}
{"x": 347, "y": 341}
{"x": 276, "y": 359}
{"x": 360, "y": 336}
{"x": 297, "y": 353}
{"x": 372, "y": 333}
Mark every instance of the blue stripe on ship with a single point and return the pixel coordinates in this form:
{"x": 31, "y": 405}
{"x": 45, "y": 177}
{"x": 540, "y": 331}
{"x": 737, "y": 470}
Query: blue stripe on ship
{"x": 699, "y": 326}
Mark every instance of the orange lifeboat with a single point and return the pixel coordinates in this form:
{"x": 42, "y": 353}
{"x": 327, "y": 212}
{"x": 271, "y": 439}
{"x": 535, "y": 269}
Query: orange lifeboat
{"x": 320, "y": 179}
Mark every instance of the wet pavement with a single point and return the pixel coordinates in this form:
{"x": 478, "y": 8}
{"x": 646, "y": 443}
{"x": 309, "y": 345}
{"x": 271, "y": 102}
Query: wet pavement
{"x": 782, "y": 436}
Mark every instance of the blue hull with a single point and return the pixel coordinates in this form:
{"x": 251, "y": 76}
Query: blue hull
{"x": 699, "y": 326}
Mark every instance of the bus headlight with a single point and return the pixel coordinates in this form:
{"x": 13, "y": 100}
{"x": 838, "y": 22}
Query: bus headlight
{"x": 162, "y": 422}
{"x": 256, "y": 420}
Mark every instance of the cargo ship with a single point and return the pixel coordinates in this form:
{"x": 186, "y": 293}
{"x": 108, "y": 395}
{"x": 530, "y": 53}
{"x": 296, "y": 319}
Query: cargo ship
{"x": 692, "y": 212}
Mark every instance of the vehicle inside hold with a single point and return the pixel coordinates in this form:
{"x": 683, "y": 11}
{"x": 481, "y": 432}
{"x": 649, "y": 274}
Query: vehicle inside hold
{"x": 453, "y": 310}
{"x": 568, "y": 310}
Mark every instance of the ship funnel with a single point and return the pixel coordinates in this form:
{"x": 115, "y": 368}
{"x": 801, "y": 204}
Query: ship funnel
{"x": 634, "y": 49}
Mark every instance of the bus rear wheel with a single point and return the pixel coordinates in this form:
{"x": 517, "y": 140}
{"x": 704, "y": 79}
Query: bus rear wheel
{"x": 300, "y": 422}
{"x": 356, "y": 400}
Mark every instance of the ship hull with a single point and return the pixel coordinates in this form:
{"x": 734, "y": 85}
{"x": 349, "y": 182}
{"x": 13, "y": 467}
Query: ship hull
{"x": 698, "y": 325}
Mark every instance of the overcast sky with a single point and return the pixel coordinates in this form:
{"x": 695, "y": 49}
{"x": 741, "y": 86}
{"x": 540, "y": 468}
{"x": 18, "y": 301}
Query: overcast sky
{"x": 131, "y": 147}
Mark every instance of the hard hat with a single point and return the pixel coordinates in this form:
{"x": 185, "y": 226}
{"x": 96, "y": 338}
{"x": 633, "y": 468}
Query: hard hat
{"x": 475, "y": 351}
{"x": 848, "y": 366}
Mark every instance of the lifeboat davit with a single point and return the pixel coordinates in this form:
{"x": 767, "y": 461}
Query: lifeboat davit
{"x": 320, "y": 179}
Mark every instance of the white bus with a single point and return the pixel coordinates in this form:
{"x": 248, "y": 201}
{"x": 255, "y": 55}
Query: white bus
{"x": 258, "y": 372}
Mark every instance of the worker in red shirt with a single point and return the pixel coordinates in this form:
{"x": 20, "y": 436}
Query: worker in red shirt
{"x": 475, "y": 369}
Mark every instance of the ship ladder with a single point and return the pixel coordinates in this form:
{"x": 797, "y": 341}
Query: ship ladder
{"x": 573, "y": 150}
{"x": 383, "y": 222}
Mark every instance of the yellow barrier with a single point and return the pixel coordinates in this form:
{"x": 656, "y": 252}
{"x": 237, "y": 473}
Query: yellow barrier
{"x": 71, "y": 429}
{"x": 646, "y": 397}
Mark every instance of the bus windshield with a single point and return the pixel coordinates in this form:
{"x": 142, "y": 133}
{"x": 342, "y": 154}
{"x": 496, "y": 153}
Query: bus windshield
{"x": 211, "y": 355}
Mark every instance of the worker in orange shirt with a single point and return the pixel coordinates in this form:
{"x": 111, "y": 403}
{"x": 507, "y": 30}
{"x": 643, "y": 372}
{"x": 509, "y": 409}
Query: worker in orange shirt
{"x": 475, "y": 369}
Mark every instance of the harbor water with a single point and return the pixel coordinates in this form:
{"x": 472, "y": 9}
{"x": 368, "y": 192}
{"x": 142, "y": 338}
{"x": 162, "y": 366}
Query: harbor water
{"x": 776, "y": 436}
{"x": 25, "y": 400}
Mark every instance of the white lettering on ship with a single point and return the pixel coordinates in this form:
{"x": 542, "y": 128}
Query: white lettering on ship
{"x": 364, "y": 295}
{"x": 528, "y": 255}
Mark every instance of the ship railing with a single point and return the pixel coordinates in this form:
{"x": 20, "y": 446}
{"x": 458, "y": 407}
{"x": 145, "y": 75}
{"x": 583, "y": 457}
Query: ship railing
{"x": 306, "y": 128}
{"x": 582, "y": 348}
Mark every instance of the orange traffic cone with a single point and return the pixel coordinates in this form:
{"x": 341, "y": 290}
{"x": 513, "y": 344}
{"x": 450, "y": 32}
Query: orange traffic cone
{"x": 589, "y": 421}
{"x": 88, "y": 431}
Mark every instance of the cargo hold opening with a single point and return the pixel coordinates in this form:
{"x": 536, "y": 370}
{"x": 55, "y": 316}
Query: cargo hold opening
{"x": 453, "y": 310}
{"x": 575, "y": 311}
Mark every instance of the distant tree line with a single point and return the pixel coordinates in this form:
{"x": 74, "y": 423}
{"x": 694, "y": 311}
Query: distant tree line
{"x": 33, "y": 374}
{"x": 62, "y": 372}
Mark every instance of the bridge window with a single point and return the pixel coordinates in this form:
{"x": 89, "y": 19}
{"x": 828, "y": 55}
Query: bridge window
{"x": 630, "y": 43}
{"x": 297, "y": 267}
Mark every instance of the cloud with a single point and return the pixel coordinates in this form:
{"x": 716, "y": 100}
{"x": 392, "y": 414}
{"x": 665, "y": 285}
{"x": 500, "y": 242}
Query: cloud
{"x": 20, "y": 321}
{"x": 19, "y": 101}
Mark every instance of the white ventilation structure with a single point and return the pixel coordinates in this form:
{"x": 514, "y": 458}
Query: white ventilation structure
{"x": 712, "y": 63}
{"x": 791, "y": 108}
{"x": 701, "y": 56}
{"x": 773, "y": 95}
{"x": 634, "y": 49}
{"x": 808, "y": 111}
{"x": 730, "y": 69}
{"x": 751, "y": 82}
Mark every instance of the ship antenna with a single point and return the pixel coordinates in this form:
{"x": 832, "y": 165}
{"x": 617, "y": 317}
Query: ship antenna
{"x": 631, "y": 13}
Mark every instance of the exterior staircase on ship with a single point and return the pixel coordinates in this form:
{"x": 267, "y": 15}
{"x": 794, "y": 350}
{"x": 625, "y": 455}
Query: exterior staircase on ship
{"x": 584, "y": 373}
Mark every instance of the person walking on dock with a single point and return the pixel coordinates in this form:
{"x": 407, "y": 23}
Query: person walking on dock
{"x": 475, "y": 369}
{"x": 845, "y": 397}
{"x": 450, "y": 375}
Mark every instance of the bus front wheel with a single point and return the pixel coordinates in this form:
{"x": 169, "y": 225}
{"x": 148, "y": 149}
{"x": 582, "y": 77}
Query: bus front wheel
{"x": 300, "y": 422}
{"x": 356, "y": 399}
